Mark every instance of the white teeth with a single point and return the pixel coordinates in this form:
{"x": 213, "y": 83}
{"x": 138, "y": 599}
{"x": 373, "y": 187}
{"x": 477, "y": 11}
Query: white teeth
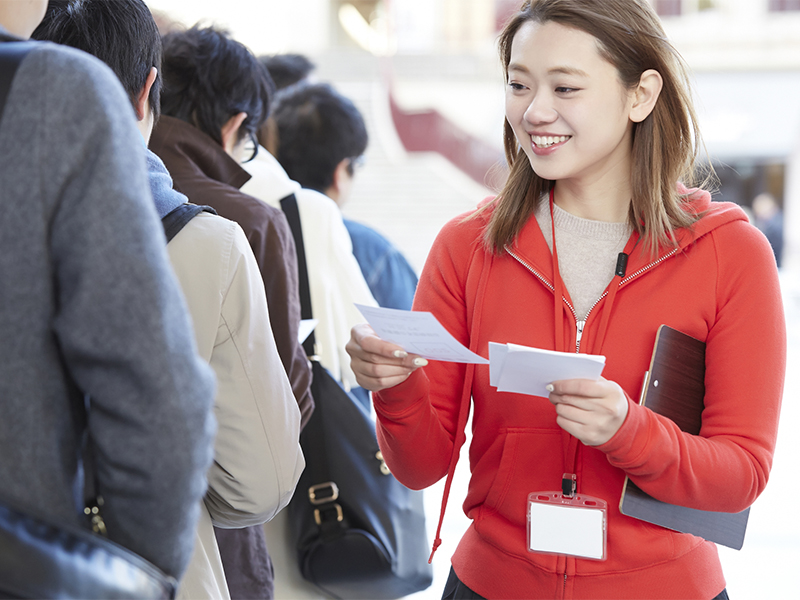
{"x": 548, "y": 140}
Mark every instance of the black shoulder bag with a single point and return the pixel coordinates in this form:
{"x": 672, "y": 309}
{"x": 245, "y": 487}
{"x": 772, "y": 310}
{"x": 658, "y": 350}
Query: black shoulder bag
{"x": 359, "y": 533}
{"x": 40, "y": 558}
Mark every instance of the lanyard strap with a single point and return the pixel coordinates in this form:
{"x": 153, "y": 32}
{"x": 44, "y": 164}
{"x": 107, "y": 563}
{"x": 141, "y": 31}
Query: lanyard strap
{"x": 569, "y": 482}
{"x": 558, "y": 284}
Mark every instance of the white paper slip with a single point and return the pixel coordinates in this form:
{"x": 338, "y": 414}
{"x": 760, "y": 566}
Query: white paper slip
{"x": 418, "y": 332}
{"x": 305, "y": 329}
{"x": 525, "y": 370}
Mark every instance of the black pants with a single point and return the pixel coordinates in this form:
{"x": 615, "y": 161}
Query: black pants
{"x": 455, "y": 590}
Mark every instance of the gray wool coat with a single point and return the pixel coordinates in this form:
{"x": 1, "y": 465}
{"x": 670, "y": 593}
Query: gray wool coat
{"x": 89, "y": 305}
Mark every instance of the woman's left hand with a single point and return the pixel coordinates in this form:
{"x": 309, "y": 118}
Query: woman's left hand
{"x": 592, "y": 411}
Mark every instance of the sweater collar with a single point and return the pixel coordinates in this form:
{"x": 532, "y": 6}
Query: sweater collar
{"x": 198, "y": 149}
{"x": 531, "y": 245}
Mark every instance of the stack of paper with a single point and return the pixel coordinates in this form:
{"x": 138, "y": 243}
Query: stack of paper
{"x": 524, "y": 370}
{"x": 512, "y": 368}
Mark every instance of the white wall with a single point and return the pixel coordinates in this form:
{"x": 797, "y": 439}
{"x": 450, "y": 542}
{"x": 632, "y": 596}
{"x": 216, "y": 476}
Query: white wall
{"x": 265, "y": 26}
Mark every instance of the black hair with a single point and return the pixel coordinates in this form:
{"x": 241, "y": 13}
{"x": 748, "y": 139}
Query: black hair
{"x": 317, "y": 129}
{"x": 122, "y": 34}
{"x": 210, "y": 77}
{"x": 287, "y": 69}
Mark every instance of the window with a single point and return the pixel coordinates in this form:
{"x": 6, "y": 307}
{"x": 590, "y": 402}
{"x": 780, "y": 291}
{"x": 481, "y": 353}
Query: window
{"x": 783, "y": 5}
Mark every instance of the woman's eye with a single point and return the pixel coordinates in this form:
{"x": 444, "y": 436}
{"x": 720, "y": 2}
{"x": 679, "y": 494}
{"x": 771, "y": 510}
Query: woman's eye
{"x": 516, "y": 86}
{"x": 565, "y": 90}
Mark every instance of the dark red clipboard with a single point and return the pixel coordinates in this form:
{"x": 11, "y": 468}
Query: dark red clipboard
{"x": 675, "y": 388}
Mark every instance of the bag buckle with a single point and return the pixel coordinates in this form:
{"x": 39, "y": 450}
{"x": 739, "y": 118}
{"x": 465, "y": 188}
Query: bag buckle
{"x": 316, "y": 498}
{"x": 318, "y": 513}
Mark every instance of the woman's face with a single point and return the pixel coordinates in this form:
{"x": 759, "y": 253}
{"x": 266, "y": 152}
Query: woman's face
{"x": 567, "y": 107}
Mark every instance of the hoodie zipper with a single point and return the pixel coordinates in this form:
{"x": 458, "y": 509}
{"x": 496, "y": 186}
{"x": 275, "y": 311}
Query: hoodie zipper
{"x": 580, "y": 324}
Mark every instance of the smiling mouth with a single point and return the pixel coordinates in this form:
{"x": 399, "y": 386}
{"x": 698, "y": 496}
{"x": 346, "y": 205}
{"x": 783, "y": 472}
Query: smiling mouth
{"x": 548, "y": 140}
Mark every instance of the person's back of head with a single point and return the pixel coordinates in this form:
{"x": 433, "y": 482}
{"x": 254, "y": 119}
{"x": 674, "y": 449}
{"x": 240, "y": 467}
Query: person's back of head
{"x": 122, "y": 34}
{"x": 287, "y": 69}
{"x": 318, "y": 128}
{"x": 209, "y": 77}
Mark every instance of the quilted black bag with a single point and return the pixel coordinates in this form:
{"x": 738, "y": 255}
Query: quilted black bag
{"x": 359, "y": 533}
{"x": 43, "y": 559}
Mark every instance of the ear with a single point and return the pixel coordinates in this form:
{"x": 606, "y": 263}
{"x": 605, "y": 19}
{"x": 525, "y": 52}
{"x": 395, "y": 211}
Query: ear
{"x": 142, "y": 107}
{"x": 645, "y": 95}
{"x": 340, "y": 177}
{"x": 230, "y": 131}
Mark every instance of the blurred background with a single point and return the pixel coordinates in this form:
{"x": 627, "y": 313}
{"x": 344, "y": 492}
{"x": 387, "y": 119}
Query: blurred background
{"x": 426, "y": 76}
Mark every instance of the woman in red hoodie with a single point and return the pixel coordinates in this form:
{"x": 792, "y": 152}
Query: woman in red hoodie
{"x": 591, "y": 245}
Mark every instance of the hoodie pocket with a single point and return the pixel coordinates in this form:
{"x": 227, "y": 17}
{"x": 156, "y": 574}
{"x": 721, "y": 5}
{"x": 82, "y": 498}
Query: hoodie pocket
{"x": 530, "y": 462}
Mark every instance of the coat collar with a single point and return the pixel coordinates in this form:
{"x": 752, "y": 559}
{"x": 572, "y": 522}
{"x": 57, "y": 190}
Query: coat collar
{"x": 194, "y": 148}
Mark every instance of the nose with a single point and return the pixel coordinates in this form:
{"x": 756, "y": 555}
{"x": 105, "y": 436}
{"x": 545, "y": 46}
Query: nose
{"x": 540, "y": 110}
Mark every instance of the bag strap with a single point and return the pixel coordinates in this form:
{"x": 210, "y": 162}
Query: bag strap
{"x": 289, "y": 207}
{"x": 11, "y": 56}
{"x": 177, "y": 219}
{"x": 327, "y": 511}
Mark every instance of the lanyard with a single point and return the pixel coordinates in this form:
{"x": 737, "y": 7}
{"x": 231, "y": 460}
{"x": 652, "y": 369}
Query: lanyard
{"x": 571, "y": 452}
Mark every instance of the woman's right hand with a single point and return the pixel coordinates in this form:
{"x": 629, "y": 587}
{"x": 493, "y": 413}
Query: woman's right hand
{"x": 379, "y": 364}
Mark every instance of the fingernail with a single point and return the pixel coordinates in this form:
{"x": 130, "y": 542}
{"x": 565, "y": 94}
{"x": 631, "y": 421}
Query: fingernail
{"x": 549, "y": 387}
{"x": 400, "y": 353}
{"x": 420, "y": 362}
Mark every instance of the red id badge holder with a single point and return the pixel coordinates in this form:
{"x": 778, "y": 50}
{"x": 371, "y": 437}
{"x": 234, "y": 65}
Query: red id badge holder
{"x": 567, "y": 523}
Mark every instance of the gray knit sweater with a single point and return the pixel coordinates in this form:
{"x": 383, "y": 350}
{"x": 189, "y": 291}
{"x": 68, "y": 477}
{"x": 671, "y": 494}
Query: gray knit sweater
{"x": 89, "y": 304}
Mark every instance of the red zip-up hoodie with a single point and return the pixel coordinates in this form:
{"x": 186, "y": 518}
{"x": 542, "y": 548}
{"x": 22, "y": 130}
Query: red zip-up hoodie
{"x": 720, "y": 286}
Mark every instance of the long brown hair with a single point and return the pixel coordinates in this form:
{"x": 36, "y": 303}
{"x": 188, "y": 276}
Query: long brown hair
{"x": 665, "y": 144}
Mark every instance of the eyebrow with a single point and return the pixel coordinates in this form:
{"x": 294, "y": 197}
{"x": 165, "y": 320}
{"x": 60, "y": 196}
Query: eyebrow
{"x": 554, "y": 71}
{"x": 567, "y": 71}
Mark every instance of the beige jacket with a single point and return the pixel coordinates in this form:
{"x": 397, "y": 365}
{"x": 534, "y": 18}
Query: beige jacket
{"x": 257, "y": 458}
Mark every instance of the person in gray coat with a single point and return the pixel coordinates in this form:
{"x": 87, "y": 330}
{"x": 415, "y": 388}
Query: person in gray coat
{"x": 89, "y": 307}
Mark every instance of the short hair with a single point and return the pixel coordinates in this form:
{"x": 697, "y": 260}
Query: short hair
{"x": 122, "y": 34}
{"x": 287, "y": 69}
{"x": 210, "y": 77}
{"x": 317, "y": 129}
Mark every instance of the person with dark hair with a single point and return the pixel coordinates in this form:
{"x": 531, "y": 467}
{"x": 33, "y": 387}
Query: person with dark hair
{"x": 257, "y": 413}
{"x": 96, "y": 28}
{"x": 336, "y": 285}
{"x": 95, "y": 338}
{"x": 592, "y": 245}
{"x": 287, "y": 69}
{"x": 216, "y": 95}
{"x": 322, "y": 138}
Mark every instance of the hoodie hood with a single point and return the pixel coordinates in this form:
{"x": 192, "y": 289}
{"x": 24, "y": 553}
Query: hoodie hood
{"x": 713, "y": 215}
